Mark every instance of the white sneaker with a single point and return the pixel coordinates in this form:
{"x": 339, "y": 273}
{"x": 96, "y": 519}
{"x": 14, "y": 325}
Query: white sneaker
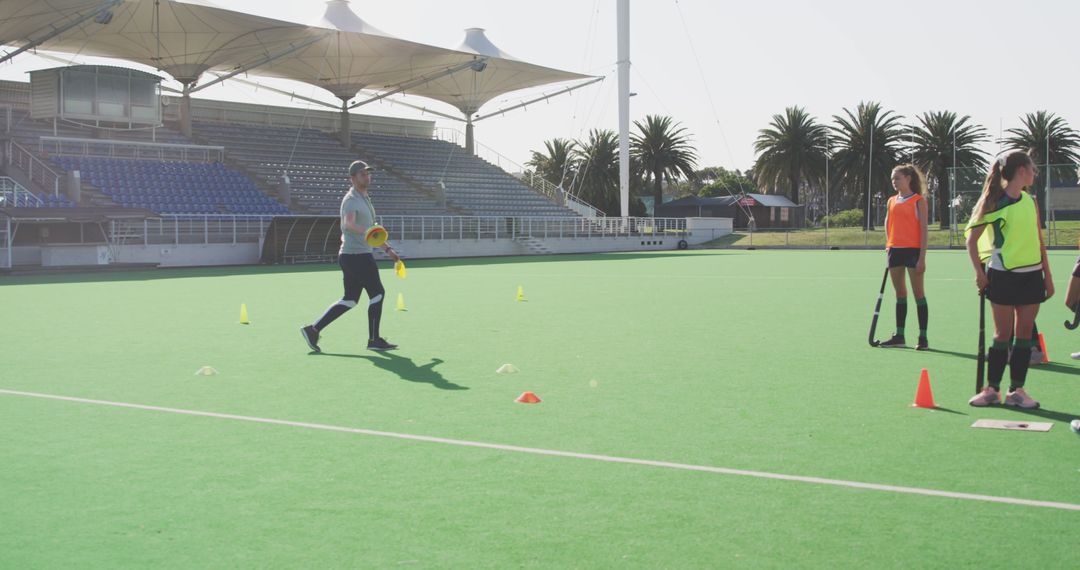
{"x": 988, "y": 397}
{"x": 1018, "y": 398}
{"x": 1037, "y": 357}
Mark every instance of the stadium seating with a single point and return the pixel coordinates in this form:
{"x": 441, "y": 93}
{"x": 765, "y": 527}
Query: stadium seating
{"x": 417, "y": 170}
{"x": 471, "y": 184}
{"x": 172, "y": 187}
{"x": 316, "y": 165}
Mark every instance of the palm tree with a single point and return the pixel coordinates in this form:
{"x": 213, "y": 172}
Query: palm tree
{"x": 554, "y": 164}
{"x": 869, "y": 143}
{"x": 943, "y": 141}
{"x": 596, "y": 161}
{"x": 790, "y": 152}
{"x": 1042, "y": 129}
{"x": 662, "y": 148}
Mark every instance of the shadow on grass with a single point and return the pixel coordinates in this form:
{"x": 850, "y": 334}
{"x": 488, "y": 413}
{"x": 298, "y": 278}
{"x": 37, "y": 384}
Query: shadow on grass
{"x": 967, "y": 355}
{"x": 1063, "y": 417}
{"x": 405, "y": 368}
{"x": 949, "y": 411}
{"x": 1051, "y": 367}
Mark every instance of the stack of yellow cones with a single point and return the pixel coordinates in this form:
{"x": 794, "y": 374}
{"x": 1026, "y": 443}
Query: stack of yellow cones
{"x": 243, "y": 315}
{"x": 521, "y": 293}
{"x": 400, "y": 302}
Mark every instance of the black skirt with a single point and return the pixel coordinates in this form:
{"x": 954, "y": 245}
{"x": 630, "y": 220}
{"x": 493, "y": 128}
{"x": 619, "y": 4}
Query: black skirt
{"x": 1012, "y": 288}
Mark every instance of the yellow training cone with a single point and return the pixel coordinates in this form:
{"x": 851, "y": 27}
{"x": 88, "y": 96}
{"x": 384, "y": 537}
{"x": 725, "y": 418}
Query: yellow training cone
{"x": 521, "y": 293}
{"x": 206, "y": 371}
{"x": 243, "y": 315}
{"x": 400, "y": 302}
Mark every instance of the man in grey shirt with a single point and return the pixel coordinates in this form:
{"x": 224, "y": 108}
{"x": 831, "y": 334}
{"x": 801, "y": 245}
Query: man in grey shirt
{"x": 358, "y": 267}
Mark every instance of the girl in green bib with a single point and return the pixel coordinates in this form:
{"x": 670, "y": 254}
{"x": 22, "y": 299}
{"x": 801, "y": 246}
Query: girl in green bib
{"x": 1004, "y": 230}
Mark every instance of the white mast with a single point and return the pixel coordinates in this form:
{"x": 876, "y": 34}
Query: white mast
{"x": 624, "y": 108}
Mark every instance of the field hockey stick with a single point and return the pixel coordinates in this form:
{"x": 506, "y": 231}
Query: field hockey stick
{"x": 877, "y": 309}
{"x": 980, "y": 371}
{"x": 1076, "y": 318}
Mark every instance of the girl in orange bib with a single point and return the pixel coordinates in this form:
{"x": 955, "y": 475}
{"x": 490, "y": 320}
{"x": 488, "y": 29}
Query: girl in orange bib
{"x": 906, "y": 234}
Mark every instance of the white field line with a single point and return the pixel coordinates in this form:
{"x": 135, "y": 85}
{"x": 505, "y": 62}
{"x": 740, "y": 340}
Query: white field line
{"x": 569, "y": 454}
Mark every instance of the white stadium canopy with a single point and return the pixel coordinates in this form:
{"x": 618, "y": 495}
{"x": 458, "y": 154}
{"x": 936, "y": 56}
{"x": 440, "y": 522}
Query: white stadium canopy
{"x": 338, "y": 52}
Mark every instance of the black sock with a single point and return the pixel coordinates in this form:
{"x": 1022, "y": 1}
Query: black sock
{"x": 995, "y": 364}
{"x": 374, "y": 315}
{"x": 924, "y": 315}
{"x": 901, "y": 315}
{"x": 333, "y": 312}
{"x": 1018, "y": 364}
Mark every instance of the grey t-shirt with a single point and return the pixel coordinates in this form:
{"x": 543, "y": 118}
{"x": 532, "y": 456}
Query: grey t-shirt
{"x": 365, "y": 218}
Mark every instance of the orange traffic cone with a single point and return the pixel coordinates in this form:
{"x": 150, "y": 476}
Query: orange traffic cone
{"x": 1042, "y": 347}
{"x": 924, "y": 397}
{"x": 527, "y": 398}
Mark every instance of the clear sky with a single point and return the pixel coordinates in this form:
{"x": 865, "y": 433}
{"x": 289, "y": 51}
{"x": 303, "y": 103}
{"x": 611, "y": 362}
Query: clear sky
{"x": 991, "y": 59}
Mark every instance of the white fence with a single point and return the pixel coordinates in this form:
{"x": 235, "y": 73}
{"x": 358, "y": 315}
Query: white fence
{"x": 219, "y": 229}
{"x": 34, "y": 167}
{"x": 5, "y": 241}
{"x": 537, "y": 183}
{"x": 188, "y": 230}
{"x": 130, "y": 149}
{"x": 15, "y": 195}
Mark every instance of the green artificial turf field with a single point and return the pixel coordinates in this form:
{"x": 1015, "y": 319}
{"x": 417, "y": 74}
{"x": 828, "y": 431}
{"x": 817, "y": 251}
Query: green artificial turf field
{"x": 744, "y": 360}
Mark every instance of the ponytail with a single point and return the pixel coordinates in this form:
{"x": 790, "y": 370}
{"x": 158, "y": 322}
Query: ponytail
{"x": 991, "y": 192}
{"x": 1003, "y": 169}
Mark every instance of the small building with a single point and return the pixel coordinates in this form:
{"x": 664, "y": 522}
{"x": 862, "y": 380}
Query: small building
{"x": 97, "y": 96}
{"x": 767, "y": 210}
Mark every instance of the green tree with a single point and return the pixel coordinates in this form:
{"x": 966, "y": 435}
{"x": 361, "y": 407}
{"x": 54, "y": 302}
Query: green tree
{"x": 719, "y": 181}
{"x": 942, "y": 141}
{"x": 868, "y": 143}
{"x": 791, "y": 152}
{"x": 554, "y": 163}
{"x": 1039, "y": 129}
{"x": 596, "y": 161}
{"x": 1042, "y": 127}
{"x": 662, "y": 149}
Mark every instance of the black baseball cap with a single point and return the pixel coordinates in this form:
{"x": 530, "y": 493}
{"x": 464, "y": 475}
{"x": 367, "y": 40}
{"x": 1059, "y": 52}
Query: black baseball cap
{"x": 357, "y": 166}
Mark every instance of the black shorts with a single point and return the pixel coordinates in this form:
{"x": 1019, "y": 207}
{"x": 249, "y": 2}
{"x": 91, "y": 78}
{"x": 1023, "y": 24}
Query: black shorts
{"x": 1010, "y": 288}
{"x": 359, "y": 272}
{"x": 903, "y": 257}
{"x": 1076, "y": 268}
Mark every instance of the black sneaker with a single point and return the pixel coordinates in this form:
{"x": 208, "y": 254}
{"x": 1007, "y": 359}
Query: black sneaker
{"x": 311, "y": 337}
{"x": 380, "y": 344}
{"x": 897, "y": 341}
{"x": 923, "y": 344}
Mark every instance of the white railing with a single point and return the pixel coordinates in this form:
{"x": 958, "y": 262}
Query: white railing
{"x": 5, "y": 241}
{"x": 34, "y": 167}
{"x": 15, "y": 195}
{"x": 537, "y": 183}
{"x": 492, "y": 227}
{"x": 5, "y": 118}
{"x": 541, "y": 184}
{"x": 193, "y": 229}
{"x": 130, "y": 149}
{"x": 210, "y": 229}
